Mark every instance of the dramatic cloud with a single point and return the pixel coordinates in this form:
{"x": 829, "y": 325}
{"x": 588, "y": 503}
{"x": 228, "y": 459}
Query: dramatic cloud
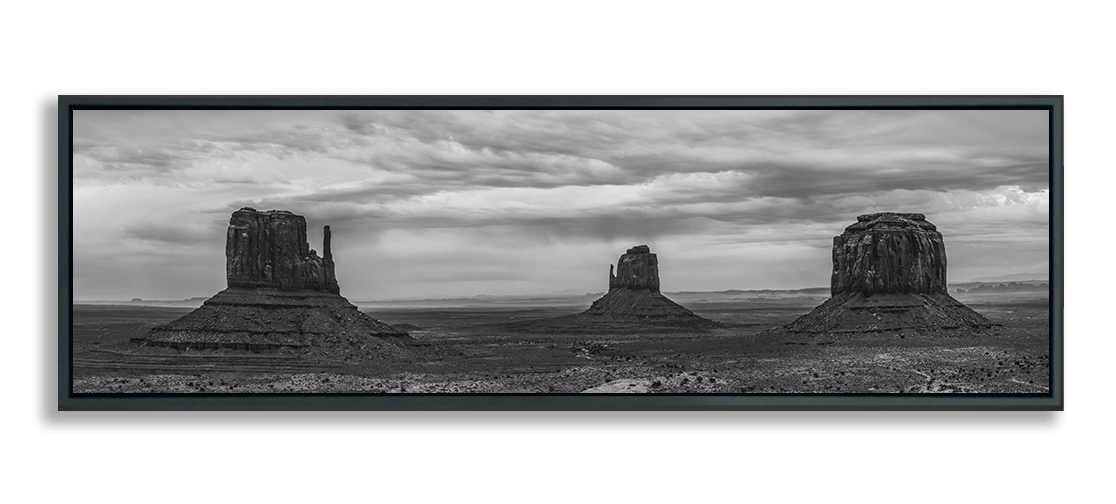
{"x": 449, "y": 203}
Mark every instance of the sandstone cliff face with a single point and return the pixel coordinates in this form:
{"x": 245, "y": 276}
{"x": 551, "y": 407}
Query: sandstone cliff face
{"x": 269, "y": 249}
{"x": 889, "y": 253}
{"x": 638, "y": 268}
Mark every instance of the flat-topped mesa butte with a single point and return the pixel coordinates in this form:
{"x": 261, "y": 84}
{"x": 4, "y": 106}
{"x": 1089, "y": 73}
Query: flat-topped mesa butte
{"x": 269, "y": 249}
{"x": 637, "y": 269}
{"x": 280, "y": 295}
{"x": 633, "y": 295}
{"x": 889, "y": 253}
{"x": 889, "y": 275}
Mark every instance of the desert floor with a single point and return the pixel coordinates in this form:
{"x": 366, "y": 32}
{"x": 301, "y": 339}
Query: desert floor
{"x": 477, "y": 349}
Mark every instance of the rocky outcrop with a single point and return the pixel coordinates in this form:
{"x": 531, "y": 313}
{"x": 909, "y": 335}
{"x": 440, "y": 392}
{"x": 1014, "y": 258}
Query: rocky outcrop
{"x": 889, "y": 253}
{"x": 280, "y": 295}
{"x": 633, "y": 304}
{"x": 637, "y": 269}
{"x": 269, "y": 249}
{"x": 633, "y": 301}
{"x": 889, "y": 275}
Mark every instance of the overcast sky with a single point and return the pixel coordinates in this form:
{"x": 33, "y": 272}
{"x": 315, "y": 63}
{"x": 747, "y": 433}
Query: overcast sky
{"x": 431, "y": 204}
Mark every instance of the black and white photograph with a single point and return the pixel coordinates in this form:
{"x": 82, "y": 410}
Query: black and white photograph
{"x": 674, "y": 251}
{"x": 555, "y": 252}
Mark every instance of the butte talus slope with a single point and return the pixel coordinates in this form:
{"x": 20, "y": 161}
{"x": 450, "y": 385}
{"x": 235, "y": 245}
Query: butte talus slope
{"x": 889, "y": 275}
{"x": 280, "y": 295}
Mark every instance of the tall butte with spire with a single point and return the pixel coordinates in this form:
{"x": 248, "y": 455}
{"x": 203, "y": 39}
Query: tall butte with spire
{"x": 634, "y": 297}
{"x": 889, "y": 275}
{"x": 280, "y": 294}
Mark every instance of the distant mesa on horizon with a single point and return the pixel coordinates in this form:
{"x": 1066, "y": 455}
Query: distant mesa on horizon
{"x": 570, "y": 292}
{"x": 187, "y": 300}
{"x": 193, "y": 302}
{"x": 1017, "y": 277}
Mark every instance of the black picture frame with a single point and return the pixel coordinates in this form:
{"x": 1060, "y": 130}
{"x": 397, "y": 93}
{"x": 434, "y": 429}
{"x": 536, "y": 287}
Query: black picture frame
{"x": 67, "y": 400}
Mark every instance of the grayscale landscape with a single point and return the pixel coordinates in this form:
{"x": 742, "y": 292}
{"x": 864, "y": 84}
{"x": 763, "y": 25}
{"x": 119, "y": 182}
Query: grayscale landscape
{"x": 747, "y": 252}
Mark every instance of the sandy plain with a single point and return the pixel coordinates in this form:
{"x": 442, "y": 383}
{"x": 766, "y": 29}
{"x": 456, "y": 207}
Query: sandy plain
{"x": 480, "y": 347}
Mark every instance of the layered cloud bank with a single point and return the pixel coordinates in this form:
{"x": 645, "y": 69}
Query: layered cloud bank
{"x": 454, "y": 203}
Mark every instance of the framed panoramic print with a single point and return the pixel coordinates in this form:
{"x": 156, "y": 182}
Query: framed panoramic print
{"x": 560, "y": 252}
